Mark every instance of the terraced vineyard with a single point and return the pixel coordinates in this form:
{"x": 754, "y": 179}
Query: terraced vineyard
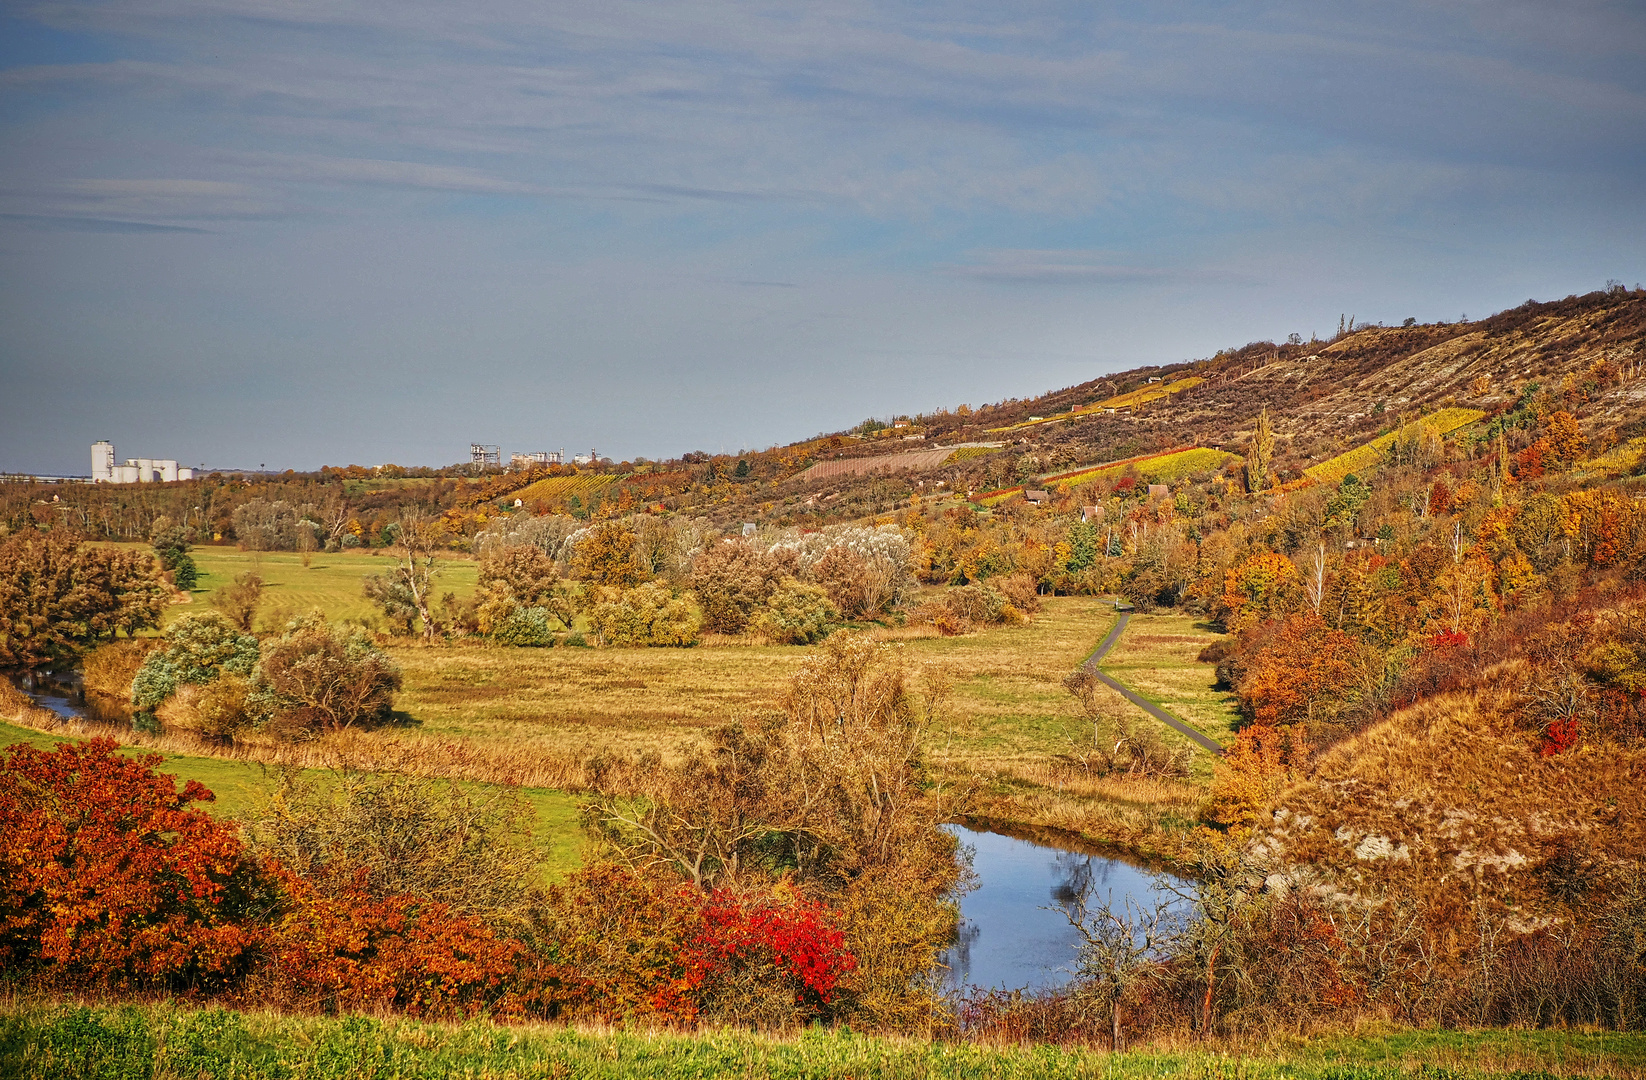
{"x": 1129, "y": 400}
{"x": 1164, "y": 468}
{"x": 1368, "y": 456}
{"x": 910, "y": 459}
{"x": 564, "y": 487}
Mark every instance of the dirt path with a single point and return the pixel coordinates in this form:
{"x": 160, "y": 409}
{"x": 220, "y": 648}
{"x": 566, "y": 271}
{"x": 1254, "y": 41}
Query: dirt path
{"x": 1141, "y": 702}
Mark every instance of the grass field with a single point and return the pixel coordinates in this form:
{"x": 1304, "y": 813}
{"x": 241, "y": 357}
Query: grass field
{"x": 59, "y": 1042}
{"x": 331, "y": 582}
{"x": 1368, "y": 456}
{"x": 1008, "y": 702}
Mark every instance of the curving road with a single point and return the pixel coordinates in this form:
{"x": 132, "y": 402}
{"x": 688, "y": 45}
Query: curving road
{"x": 1147, "y": 706}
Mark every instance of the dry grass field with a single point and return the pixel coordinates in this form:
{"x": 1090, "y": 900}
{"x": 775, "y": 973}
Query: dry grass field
{"x": 550, "y": 719}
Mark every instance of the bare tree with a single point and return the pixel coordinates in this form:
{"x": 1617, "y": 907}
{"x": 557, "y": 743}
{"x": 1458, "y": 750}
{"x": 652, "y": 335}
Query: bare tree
{"x": 1316, "y": 581}
{"x": 1121, "y": 950}
{"x": 410, "y": 585}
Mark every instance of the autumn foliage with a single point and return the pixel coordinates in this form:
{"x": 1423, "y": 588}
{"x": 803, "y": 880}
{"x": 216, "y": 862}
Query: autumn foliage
{"x": 109, "y": 876}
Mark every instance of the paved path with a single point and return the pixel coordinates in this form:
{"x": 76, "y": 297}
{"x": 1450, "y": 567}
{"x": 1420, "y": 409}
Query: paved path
{"x": 1136, "y": 699}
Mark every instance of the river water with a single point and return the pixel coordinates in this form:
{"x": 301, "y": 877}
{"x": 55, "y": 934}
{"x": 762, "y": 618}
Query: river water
{"x": 1013, "y": 931}
{"x": 59, "y": 691}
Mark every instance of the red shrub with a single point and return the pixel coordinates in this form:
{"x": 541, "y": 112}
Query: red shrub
{"x": 109, "y": 877}
{"x": 799, "y": 937}
{"x": 1561, "y": 736}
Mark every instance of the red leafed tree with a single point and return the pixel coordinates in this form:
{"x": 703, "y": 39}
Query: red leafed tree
{"x": 109, "y": 877}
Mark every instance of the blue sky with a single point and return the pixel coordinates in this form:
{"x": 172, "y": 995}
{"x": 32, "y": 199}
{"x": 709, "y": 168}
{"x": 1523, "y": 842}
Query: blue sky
{"x": 290, "y": 232}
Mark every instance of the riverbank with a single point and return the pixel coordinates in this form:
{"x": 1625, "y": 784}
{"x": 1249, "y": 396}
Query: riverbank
{"x": 51, "y": 1041}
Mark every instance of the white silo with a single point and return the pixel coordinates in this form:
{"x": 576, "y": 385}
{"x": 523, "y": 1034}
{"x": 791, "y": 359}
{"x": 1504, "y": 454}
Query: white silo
{"x": 168, "y": 470}
{"x": 102, "y": 462}
{"x": 185, "y": 474}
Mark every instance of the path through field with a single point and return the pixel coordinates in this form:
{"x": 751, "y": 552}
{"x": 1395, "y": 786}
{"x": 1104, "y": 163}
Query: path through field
{"x": 1141, "y": 702}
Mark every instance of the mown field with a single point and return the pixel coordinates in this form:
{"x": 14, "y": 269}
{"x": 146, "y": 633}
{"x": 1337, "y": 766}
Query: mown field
{"x": 60, "y": 1042}
{"x": 331, "y": 582}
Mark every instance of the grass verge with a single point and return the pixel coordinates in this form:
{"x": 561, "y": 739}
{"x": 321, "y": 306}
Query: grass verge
{"x": 56, "y": 1042}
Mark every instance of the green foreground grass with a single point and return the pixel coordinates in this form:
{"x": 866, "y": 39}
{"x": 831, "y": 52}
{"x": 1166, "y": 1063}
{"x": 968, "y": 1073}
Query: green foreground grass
{"x": 241, "y": 787}
{"x": 52, "y": 1042}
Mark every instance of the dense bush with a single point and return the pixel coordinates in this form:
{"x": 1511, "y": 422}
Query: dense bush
{"x": 646, "y": 615}
{"x": 317, "y": 678}
{"x": 523, "y": 626}
{"x": 110, "y": 878}
{"x": 797, "y": 614}
{"x": 196, "y": 650}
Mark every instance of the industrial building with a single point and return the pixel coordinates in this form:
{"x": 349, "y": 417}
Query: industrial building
{"x": 135, "y": 470}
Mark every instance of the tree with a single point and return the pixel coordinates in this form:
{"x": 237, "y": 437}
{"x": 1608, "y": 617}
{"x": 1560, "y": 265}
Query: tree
{"x": 1260, "y": 453}
{"x": 1565, "y": 435}
{"x": 526, "y": 572}
{"x": 318, "y": 678}
{"x": 59, "y": 597}
{"x": 1304, "y": 671}
{"x": 1120, "y": 951}
{"x": 409, "y": 587}
{"x": 171, "y": 547}
{"x": 240, "y": 600}
{"x": 733, "y": 579}
{"x": 1262, "y": 586}
{"x": 608, "y": 555}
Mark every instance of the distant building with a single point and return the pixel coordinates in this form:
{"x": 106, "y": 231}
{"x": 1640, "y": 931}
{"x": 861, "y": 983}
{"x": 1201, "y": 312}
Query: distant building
{"x": 533, "y": 459}
{"x": 135, "y": 470}
{"x": 1091, "y": 515}
{"x": 1039, "y": 498}
{"x": 586, "y": 459}
{"x": 484, "y": 454}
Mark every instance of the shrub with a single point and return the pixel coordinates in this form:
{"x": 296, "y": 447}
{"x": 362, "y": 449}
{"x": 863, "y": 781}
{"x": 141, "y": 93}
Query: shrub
{"x": 647, "y": 615}
{"x": 797, "y": 614}
{"x": 197, "y": 650}
{"x": 524, "y": 626}
{"x": 109, "y": 877}
{"x": 317, "y": 678}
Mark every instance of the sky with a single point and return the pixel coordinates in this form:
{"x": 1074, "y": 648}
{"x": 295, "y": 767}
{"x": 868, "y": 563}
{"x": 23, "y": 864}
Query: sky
{"x": 288, "y": 233}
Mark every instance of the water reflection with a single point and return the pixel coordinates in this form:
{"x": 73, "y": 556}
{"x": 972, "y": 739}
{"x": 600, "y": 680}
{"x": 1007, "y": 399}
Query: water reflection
{"x": 1013, "y": 932}
{"x": 59, "y": 691}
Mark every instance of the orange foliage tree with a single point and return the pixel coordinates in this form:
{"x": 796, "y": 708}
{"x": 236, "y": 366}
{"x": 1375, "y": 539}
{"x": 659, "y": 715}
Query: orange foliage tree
{"x": 1305, "y": 671}
{"x": 110, "y": 877}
